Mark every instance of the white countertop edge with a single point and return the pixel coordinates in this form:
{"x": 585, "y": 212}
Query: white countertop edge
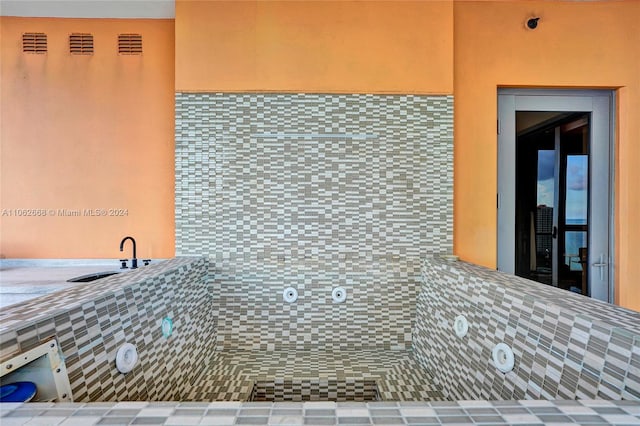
{"x": 34, "y": 263}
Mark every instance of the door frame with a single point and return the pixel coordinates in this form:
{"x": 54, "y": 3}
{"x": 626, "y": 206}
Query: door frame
{"x": 511, "y": 100}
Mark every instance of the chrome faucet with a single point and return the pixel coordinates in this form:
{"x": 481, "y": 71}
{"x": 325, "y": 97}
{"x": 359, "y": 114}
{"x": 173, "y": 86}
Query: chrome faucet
{"x": 134, "y": 261}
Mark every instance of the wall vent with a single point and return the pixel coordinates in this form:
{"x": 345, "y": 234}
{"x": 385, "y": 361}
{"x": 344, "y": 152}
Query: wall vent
{"x": 130, "y": 44}
{"x": 34, "y": 43}
{"x": 81, "y": 44}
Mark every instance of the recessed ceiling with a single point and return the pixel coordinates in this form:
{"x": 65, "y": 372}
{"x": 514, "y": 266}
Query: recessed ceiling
{"x": 157, "y": 9}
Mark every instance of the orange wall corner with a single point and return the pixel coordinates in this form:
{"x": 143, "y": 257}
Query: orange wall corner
{"x": 86, "y": 141}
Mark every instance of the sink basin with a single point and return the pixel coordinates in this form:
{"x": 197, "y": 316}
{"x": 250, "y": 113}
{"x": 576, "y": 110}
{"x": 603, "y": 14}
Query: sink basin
{"x": 91, "y": 277}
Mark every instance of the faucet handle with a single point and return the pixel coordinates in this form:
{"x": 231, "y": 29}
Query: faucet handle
{"x": 146, "y": 261}
{"x": 124, "y": 263}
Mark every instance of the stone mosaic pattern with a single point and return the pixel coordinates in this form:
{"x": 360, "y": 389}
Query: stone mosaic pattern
{"x": 532, "y": 413}
{"x": 310, "y": 176}
{"x": 92, "y": 322}
{"x": 232, "y": 375}
{"x": 566, "y": 346}
{"x": 314, "y": 191}
{"x": 314, "y": 390}
{"x": 378, "y": 313}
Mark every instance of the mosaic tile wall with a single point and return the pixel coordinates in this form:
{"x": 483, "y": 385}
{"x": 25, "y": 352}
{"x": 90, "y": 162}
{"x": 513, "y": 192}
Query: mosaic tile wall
{"x": 314, "y": 191}
{"x": 91, "y": 322}
{"x": 566, "y": 346}
{"x": 234, "y": 375}
{"x": 297, "y": 176}
{"x": 379, "y": 310}
{"x": 315, "y": 390}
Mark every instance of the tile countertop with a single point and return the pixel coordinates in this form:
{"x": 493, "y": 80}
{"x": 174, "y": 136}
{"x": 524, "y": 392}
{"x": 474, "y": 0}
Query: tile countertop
{"x": 46, "y": 304}
{"x": 26, "y": 279}
{"x": 324, "y": 413}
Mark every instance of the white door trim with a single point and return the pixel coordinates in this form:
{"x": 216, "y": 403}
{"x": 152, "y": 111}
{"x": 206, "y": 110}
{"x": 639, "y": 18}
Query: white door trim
{"x": 601, "y": 179}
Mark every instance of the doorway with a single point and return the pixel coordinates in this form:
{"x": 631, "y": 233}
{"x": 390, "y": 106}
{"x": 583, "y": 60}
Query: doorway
{"x": 554, "y": 188}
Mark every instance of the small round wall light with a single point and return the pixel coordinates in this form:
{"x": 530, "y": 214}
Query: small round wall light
{"x": 167, "y": 327}
{"x": 503, "y": 357}
{"x": 460, "y": 326}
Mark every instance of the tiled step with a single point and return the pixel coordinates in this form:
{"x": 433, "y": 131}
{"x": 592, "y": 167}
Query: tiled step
{"x": 279, "y": 390}
{"x": 290, "y": 375}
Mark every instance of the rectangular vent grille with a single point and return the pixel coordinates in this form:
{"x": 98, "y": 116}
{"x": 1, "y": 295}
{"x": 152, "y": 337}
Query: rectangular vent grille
{"x": 81, "y": 44}
{"x": 130, "y": 44}
{"x": 34, "y": 43}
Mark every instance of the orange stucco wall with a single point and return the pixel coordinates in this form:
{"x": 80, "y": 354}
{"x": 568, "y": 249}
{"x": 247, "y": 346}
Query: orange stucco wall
{"x": 97, "y": 132}
{"x": 86, "y": 132}
{"x": 589, "y": 44}
{"x": 315, "y": 46}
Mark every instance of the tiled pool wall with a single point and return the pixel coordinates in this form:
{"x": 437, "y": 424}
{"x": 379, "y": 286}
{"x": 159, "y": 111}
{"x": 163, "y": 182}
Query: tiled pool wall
{"x": 91, "y": 322}
{"x": 315, "y": 390}
{"x": 314, "y": 191}
{"x": 378, "y": 312}
{"x": 566, "y": 346}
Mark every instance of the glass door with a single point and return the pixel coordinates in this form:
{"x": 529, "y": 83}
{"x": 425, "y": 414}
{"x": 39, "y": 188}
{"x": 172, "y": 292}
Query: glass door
{"x": 552, "y": 192}
{"x": 573, "y": 212}
{"x": 554, "y": 188}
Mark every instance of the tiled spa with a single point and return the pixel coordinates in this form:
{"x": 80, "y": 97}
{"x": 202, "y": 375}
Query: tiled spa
{"x": 312, "y": 193}
{"x": 580, "y": 349}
